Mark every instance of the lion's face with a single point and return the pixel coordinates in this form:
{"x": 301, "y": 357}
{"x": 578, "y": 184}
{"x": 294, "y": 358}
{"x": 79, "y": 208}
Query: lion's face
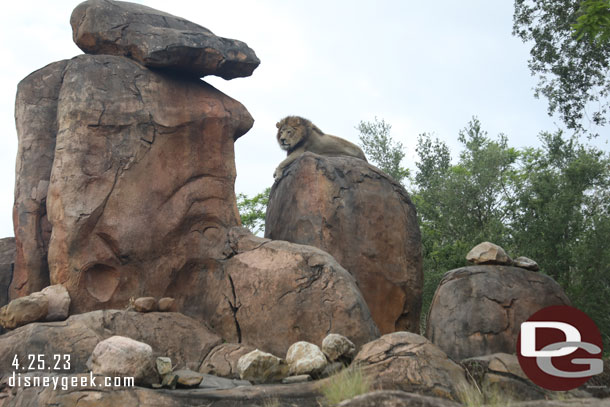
{"x": 288, "y": 137}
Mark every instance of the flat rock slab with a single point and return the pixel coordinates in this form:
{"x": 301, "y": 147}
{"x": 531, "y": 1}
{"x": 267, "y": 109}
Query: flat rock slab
{"x": 177, "y": 336}
{"x": 157, "y": 39}
{"x": 396, "y": 398}
{"x": 302, "y": 395}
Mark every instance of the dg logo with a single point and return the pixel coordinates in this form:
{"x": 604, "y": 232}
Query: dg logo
{"x": 560, "y": 348}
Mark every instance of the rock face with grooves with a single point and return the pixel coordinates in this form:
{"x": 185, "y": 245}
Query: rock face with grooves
{"x": 142, "y": 184}
{"x": 307, "y": 294}
{"x": 478, "y": 310}
{"x": 36, "y": 121}
{"x": 365, "y": 220}
{"x": 158, "y": 40}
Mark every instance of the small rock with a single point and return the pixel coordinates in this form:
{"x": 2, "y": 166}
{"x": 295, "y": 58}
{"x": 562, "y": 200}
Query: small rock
{"x": 296, "y": 379}
{"x": 164, "y": 365}
{"x": 338, "y": 347}
{"x": 188, "y": 378}
{"x": 166, "y": 304}
{"x": 145, "y": 304}
{"x": 170, "y": 381}
{"x": 488, "y": 253}
{"x": 261, "y": 367}
{"x": 24, "y": 310}
{"x": 526, "y": 263}
{"x": 59, "y": 302}
{"x": 305, "y": 358}
{"x": 119, "y": 356}
{"x": 156, "y": 385}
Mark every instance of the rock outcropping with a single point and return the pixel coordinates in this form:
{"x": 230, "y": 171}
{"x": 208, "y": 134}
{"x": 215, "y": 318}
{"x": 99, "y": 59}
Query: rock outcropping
{"x": 365, "y": 220}
{"x": 478, "y": 310}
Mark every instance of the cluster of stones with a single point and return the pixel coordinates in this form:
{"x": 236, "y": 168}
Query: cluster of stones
{"x": 50, "y": 304}
{"x": 303, "y": 361}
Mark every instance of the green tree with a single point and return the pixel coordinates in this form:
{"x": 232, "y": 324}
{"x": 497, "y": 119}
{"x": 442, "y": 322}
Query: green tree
{"x": 593, "y": 22}
{"x": 379, "y": 146}
{"x": 460, "y": 205}
{"x": 562, "y": 220}
{"x": 252, "y": 210}
{"x": 570, "y": 55}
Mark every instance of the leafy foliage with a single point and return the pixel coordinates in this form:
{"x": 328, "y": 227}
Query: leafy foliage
{"x": 381, "y": 149}
{"x": 570, "y": 55}
{"x": 252, "y": 210}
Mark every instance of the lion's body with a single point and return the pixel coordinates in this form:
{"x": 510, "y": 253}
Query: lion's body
{"x": 297, "y": 135}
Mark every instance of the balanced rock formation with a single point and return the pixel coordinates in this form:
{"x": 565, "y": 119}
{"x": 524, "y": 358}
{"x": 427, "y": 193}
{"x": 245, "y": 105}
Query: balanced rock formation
{"x": 338, "y": 347}
{"x": 365, "y": 220}
{"x": 409, "y": 362}
{"x": 24, "y": 310}
{"x": 184, "y": 340}
{"x": 158, "y": 40}
{"x": 478, "y": 310}
{"x": 526, "y": 263}
{"x": 488, "y": 253}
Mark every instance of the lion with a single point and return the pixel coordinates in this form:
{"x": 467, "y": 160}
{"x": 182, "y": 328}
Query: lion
{"x": 297, "y": 135}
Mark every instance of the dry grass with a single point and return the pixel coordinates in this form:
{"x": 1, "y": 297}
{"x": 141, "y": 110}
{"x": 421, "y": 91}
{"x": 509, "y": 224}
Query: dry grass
{"x": 346, "y": 384}
{"x": 472, "y": 396}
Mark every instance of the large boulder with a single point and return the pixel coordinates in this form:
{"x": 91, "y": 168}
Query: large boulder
{"x": 271, "y": 294}
{"x": 157, "y": 39}
{"x": 478, "y": 310}
{"x": 142, "y": 184}
{"x": 409, "y": 362}
{"x": 23, "y": 310}
{"x": 36, "y": 120}
{"x": 177, "y": 336}
{"x": 119, "y": 356}
{"x": 365, "y": 220}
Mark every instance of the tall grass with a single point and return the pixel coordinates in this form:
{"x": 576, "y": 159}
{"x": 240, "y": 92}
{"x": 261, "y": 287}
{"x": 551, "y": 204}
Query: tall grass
{"x": 348, "y": 383}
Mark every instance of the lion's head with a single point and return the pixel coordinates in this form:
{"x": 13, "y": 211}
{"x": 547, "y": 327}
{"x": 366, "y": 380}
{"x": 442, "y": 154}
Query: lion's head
{"x": 294, "y": 130}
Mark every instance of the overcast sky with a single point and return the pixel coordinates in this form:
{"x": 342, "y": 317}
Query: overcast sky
{"x": 421, "y": 66}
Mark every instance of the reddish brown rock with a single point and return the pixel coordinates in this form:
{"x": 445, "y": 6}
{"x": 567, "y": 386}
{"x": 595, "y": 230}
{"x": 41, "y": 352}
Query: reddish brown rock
{"x": 157, "y": 39}
{"x": 24, "y": 310}
{"x": 478, "y": 310}
{"x": 167, "y": 304}
{"x": 145, "y": 304}
{"x": 276, "y": 293}
{"x": 365, "y": 220}
{"x": 36, "y": 120}
{"x": 142, "y": 185}
{"x": 177, "y": 336}
{"x": 7, "y": 262}
{"x": 409, "y": 362}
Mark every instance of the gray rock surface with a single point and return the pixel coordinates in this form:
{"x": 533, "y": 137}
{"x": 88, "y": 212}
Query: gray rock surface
{"x": 158, "y": 40}
{"x": 478, "y": 310}
{"x": 396, "y": 398}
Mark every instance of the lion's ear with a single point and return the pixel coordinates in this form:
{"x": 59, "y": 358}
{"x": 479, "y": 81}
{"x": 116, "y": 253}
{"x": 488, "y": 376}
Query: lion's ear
{"x": 277, "y": 125}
